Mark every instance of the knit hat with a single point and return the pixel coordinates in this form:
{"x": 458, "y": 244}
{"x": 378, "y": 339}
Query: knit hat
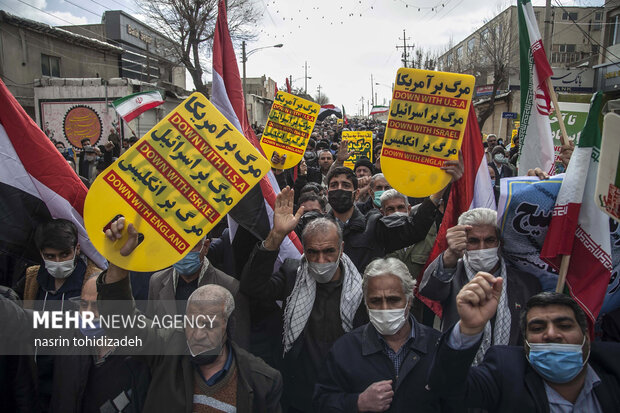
{"x": 364, "y": 162}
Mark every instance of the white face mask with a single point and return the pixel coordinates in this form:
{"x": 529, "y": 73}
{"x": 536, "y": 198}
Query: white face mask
{"x": 62, "y": 269}
{"x": 322, "y": 272}
{"x": 482, "y": 260}
{"x": 388, "y": 322}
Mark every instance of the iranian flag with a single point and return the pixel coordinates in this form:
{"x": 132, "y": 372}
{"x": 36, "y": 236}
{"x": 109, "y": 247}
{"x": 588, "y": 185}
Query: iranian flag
{"x": 578, "y": 228}
{"x": 536, "y": 141}
{"x": 132, "y": 106}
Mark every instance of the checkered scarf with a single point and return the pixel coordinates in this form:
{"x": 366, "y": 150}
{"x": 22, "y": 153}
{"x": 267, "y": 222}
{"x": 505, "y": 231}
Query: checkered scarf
{"x": 501, "y": 333}
{"x": 301, "y": 300}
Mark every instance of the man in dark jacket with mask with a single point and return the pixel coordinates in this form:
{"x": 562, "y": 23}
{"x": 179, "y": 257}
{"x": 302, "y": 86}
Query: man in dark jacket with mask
{"x": 473, "y": 245}
{"x": 557, "y": 370}
{"x": 322, "y": 293}
{"x": 367, "y": 238}
{"x": 383, "y": 365}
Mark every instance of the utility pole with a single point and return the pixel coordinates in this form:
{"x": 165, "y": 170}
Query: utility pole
{"x": 290, "y": 82}
{"x": 547, "y": 36}
{"x": 362, "y": 105}
{"x": 372, "y": 89}
{"x": 306, "y": 78}
{"x": 319, "y": 98}
{"x": 405, "y": 47}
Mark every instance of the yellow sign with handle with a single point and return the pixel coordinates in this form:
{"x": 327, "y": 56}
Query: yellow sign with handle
{"x": 358, "y": 142}
{"x": 427, "y": 118}
{"x": 288, "y": 129}
{"x": 174, "y": 185}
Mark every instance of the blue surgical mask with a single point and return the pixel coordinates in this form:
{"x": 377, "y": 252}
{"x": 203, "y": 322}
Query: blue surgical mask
{"x": 95, "y": 331}
{"x": 555, "y": 362}
{"x": 377, "y": 200}
{"x": 189, "y": 264}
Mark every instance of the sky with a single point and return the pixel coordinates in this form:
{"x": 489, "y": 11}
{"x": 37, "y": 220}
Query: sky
{"x": 344, "y": 42}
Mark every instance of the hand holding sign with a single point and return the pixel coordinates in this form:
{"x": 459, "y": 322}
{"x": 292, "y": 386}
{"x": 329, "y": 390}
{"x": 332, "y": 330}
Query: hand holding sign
{"x": 174, "y": 185}
{"x": 425, "y": 129}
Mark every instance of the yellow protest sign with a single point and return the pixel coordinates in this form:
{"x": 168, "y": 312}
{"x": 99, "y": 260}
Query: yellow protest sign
{"x": 425, "y": 128}
{"x": 288, "y": 129}
{"x": 174, "y": 184}
{"x": 359, "y": 142}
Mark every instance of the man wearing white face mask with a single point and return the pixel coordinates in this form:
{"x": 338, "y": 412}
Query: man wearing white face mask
{"x": 382, "y": 365}
{"x": 473, "y": 246}
{"x": 321, "y": 293}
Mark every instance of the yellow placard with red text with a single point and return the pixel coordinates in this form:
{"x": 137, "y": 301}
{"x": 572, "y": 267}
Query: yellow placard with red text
{"x": 358, "y": 142}
{"x": 174, "y": 185}
{"x": 427, "y": 119}
{"x": 288, "y": 129}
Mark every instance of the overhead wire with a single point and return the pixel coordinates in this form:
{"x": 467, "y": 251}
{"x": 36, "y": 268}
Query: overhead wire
{"x": 596, "y": 42}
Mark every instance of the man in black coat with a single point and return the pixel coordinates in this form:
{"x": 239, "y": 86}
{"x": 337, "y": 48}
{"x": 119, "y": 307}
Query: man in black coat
{"x": 383, "y": 365}
{"x": 557, "y": 370}
{"x": 367, "y": 238}
{"x": 321, "y": 295}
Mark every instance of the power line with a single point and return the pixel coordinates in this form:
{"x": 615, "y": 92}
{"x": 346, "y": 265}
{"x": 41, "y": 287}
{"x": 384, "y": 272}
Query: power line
{"x": 584, "y": 32}
{"x": 83, "y": 8}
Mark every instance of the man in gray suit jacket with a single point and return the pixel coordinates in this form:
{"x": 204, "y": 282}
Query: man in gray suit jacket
{"x": 473, "y": 246}
{"x": 169, "y": 290}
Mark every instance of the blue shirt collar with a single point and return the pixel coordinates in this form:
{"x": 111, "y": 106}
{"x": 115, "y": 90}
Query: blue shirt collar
{"x": 220, "y": 374}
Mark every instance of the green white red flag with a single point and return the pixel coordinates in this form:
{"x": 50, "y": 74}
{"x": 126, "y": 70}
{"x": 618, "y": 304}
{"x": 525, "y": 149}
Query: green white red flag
{"x": 578, "y": 227}
{"x": 132, "y": 106}
{"x": 535, "y": 138}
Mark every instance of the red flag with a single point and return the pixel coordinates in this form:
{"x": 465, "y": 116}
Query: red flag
{"x": 288, "y": 85}
{"x": 36, "y": 184}
{"x": 473, "y": 190}
{"x": 256, "y": 217}
{"x": 276, "y": 92}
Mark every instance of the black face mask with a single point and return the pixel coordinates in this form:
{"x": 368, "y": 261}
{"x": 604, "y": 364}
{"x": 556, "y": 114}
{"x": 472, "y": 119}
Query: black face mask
{"x": 206, "y": 357}
{"x": 340, "y": 200}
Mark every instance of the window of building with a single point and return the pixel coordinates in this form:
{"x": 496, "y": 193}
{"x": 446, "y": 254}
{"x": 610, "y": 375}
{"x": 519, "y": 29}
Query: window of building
{"x": 566, "y": 48}
{"x": 614, "y": 30}
{"x": 471, "y": 45}
{"x": 569, "y": 15}
{"x": 50, "y": 65}
{"x": 459, "y": 52}
{"x": 484, "y": 34}
{"x": 598, "y": 16}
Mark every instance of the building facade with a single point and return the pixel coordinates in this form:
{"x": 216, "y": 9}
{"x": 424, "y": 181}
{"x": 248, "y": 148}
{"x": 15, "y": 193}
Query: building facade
{"x": 31, "y": 50}
{"x": 493, "y": 51}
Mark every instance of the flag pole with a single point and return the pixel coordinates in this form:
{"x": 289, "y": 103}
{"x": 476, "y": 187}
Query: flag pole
{"x": 563, "y": 270}
{"x": 558, "y": 112}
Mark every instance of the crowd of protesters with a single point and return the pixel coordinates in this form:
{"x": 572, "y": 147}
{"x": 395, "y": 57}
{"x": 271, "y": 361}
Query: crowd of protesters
{"x": 340, "y": 330}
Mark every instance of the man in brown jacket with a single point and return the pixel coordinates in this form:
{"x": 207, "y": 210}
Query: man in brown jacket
{"x": 212, "y": 371}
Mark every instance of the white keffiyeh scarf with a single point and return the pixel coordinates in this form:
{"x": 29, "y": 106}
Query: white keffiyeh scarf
{"x": 301, "y": 300}
{"x": 501, "y": 333}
